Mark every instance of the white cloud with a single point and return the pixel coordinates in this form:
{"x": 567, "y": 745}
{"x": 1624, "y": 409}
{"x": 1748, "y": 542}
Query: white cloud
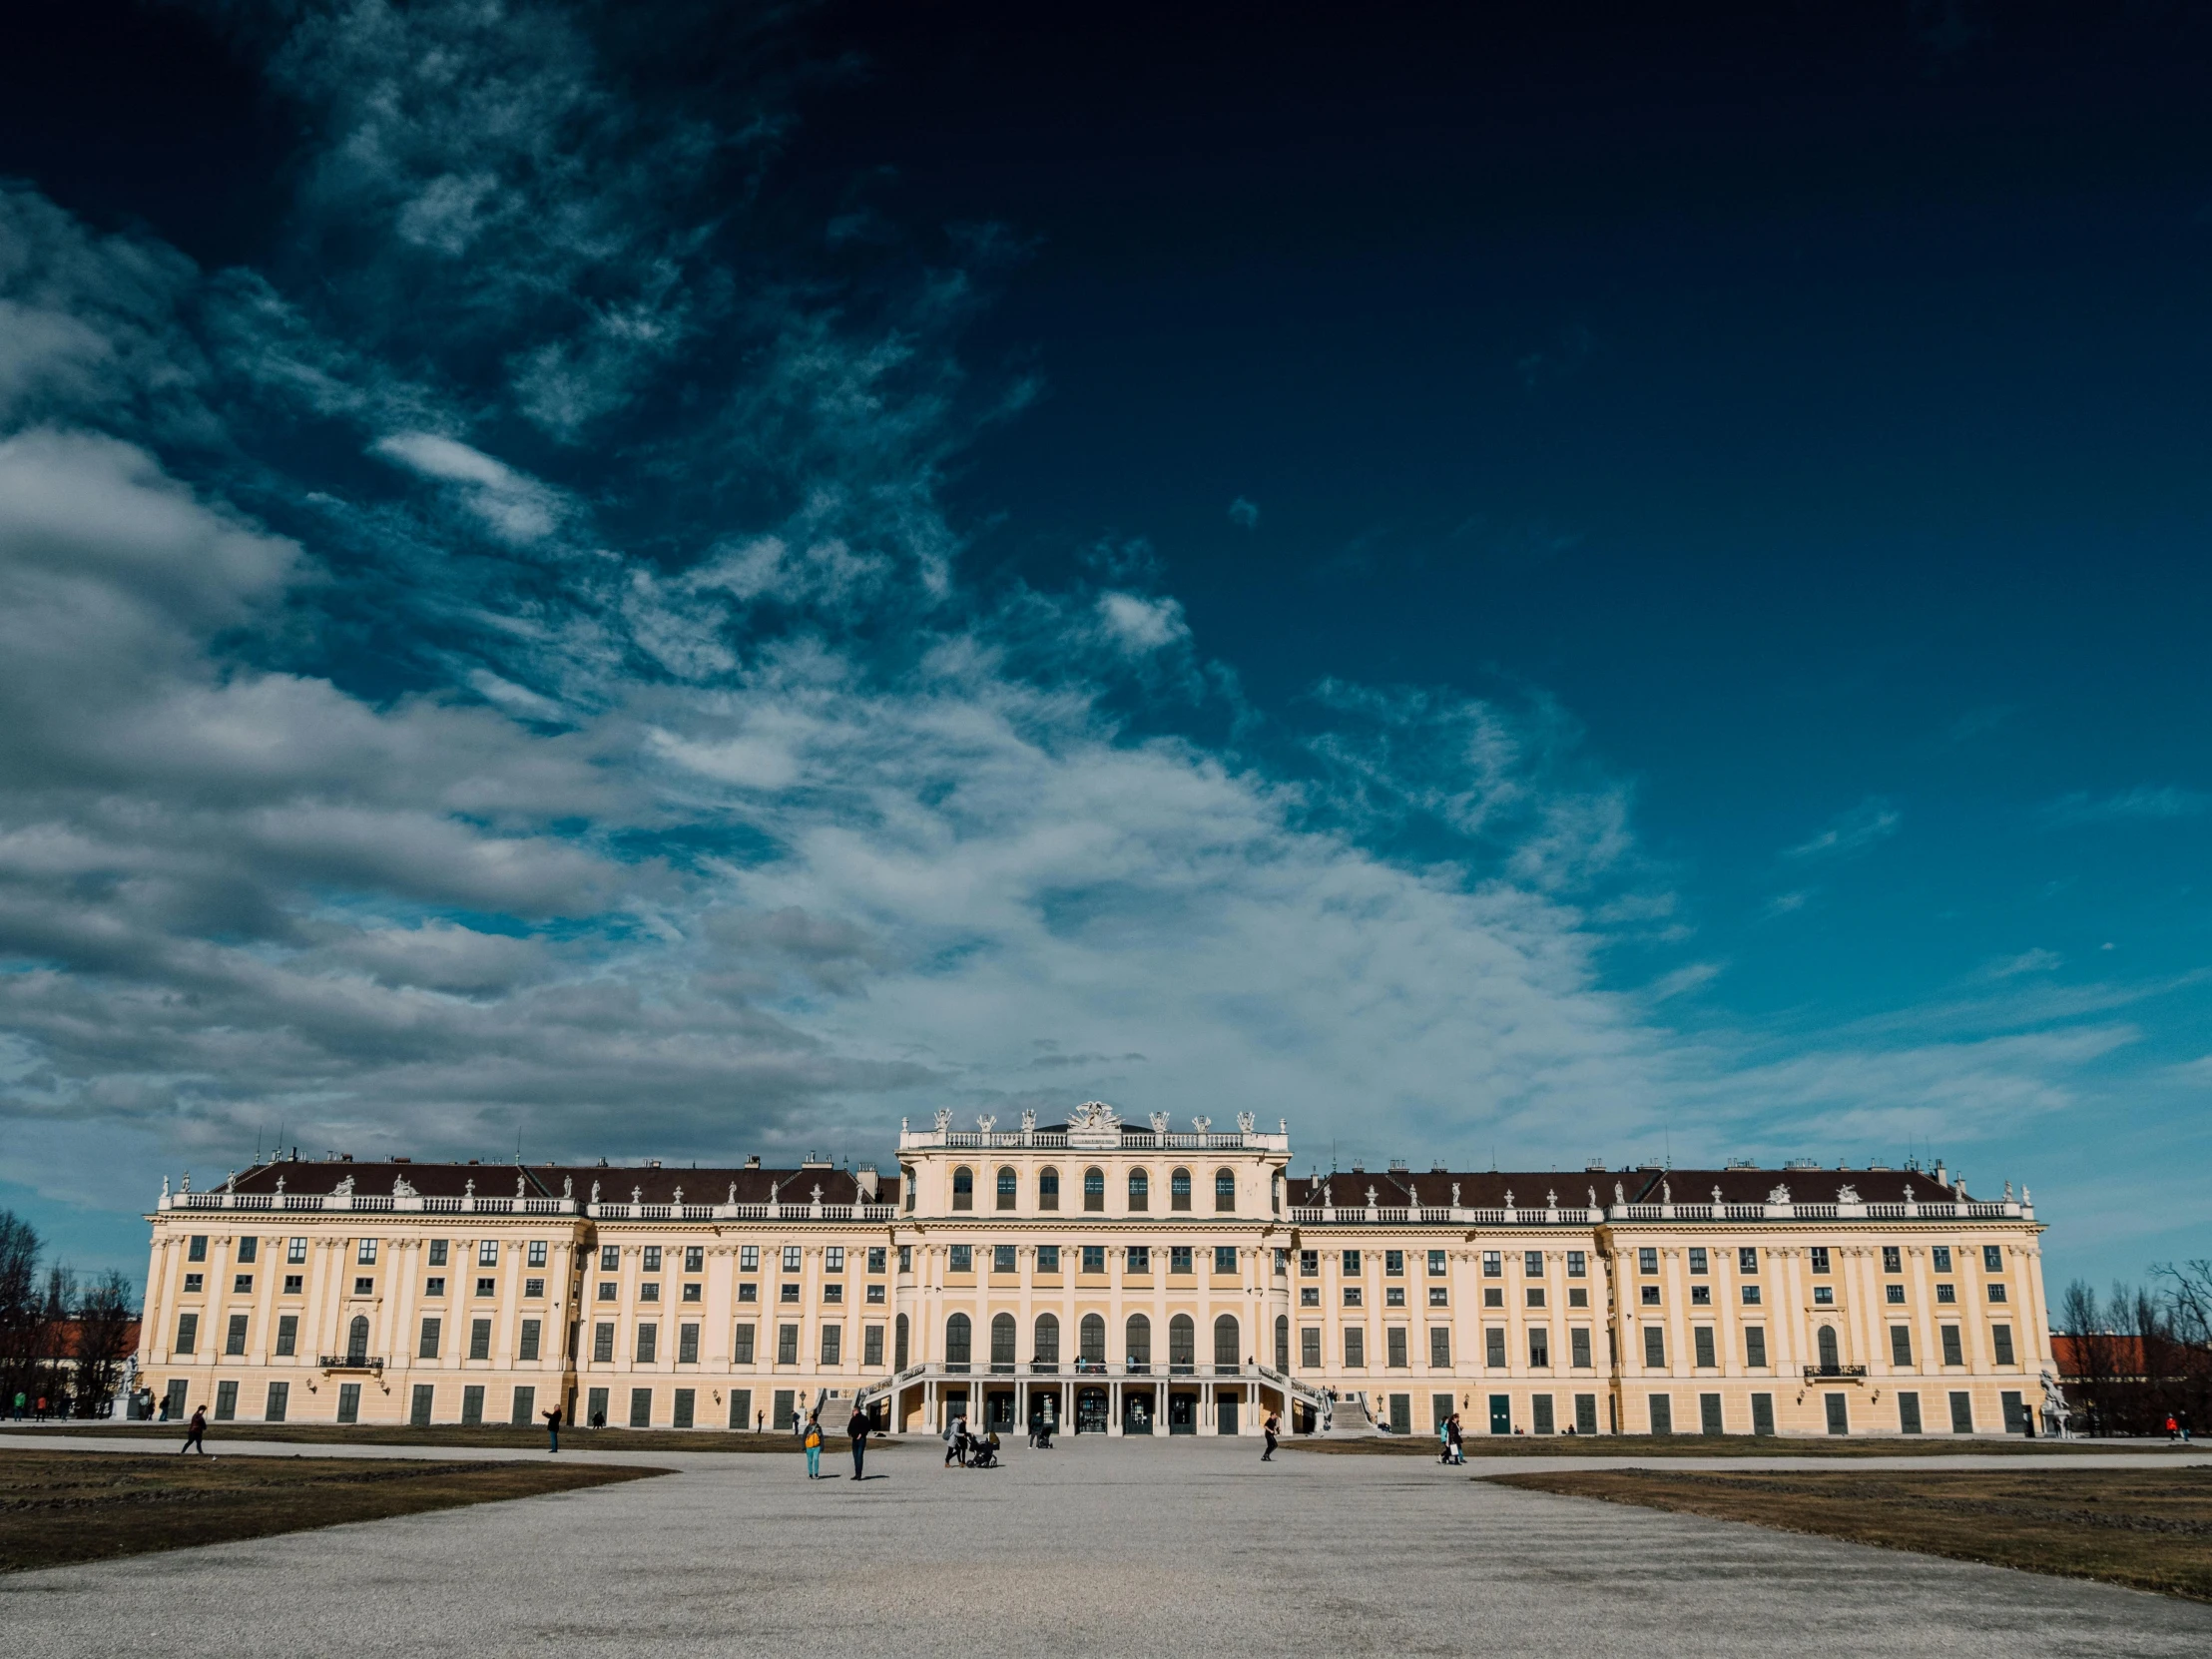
{"x": 1869, "y": 821}
{"x": 518, "y": 508}
{"x": 2143, "y": 803}
{"x": 1244, "y": 514}
{"x": 1142, "y": 624}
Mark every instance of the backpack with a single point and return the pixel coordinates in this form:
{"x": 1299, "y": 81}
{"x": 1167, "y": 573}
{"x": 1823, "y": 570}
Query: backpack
{"x": 813, "y": 1436}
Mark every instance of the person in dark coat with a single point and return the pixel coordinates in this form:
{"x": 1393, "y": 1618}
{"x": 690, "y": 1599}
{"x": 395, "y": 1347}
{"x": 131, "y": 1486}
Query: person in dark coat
{"x": 194, "y": 1430}
{"x": 858, "y": 1428}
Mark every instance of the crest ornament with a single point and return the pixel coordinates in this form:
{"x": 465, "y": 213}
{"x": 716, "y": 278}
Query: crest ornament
{"x": 987, "y": 1122}
{"x": 1245, "y": 1121}
{"x": 1159, "y": 1123}
{"x": 636, "y": 1195}
{"x": 1093, "y": 1117}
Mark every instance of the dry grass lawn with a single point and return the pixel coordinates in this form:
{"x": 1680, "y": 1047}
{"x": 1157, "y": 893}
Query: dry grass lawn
{"x": 2150, "y": 1528}
{"x": 1720, "y": 1445}
{"x": 63, "y": 1506}
{"x": 453, "y": 1435}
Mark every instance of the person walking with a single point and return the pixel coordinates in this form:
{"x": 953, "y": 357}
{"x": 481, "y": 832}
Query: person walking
{"x": 1454, "y": 1439}
{"x": 553, "y": 1429}
{"x": 194, "y": 1430}
{"x": 2173, "y": 1427}
{"x": 1273, "y": 1428}
{"x": 858, "y": 1428}
{"x": 811, "y": 1440}
{"x": 951, "y": 1441}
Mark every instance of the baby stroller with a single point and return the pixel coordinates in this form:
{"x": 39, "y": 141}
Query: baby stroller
{"x": 986, "y": 1454}
{"x": 1042, "y": 1439}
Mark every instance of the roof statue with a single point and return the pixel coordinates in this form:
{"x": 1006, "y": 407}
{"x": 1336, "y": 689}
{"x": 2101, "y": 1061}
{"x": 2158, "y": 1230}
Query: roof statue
{"x": 568, "y": 1186}
{"x": 1371, "y": 1197}
{"x": 521, "y": 1186}
{"x": 595, "y": 1192}
{"x": 1666, "y": 1193}
{"x": 944, "y": 1119}
{"x": 1245, "y": 1121}
{"x": 1551, "y": 1200}
{"x": 1909, "y": 1192}
{"x": 468, "y": 1187}
{"x": 1159, "y": 1123}
{"x": 1413, "y": 1195}
{"x": 1508, "y": 1198}
{"x": 636, "y": 1195}
{"x": 186, "y": 1187}
{"x": 1028, "y": 1121}
{"x": 732, "y": 1192}
{"x": 817, "y": 1194}
{"x": 1593, "y": 1197}
{"x": 1779, "y": 1194}
{"x": 987, "y": 1122}
{"x": 344, "y": 1189}
{"x": 400, "y": 1188}
{"x": 1716, "y": 1197}
{"x": 279, "y": 1184}
{"x": 1846, "y": 1194}
{"x": 1619, "y": 1197}
{"x": 679, "y": 1195}
{"x": 1093, "y": 1117}
{"x": 1202, "y": 1124}
{"x": 1455, "y": 1195}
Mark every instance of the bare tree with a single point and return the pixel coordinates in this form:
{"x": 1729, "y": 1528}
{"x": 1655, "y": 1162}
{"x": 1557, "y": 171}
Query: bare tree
{"x": 21, "y": 1312}
{"x": 101, "y": 1336}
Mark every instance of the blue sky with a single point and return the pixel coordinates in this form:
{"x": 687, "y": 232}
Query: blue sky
{"x": 688, "y": 582}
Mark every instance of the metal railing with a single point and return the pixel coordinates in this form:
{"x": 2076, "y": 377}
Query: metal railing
{"x": 371, "y": 1362}
{"x": 1815, "y": 1373}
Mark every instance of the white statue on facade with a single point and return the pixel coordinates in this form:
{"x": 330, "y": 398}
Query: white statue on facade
{"x": 1245, "y": 1121}
{"x": 1846, "y": 1194}
{"x": 344, "y": 1189}
{"x": 568, "y": 1186}
{"x": 986, "y": 1123}
{"x": 944, "y": 1119}
{"x": 595, "y": 1192}
{"x": 1201, "y": 1125}
{"x": 400, "y": 1188}
{"x": 636, "y": 1195}
{"x": 1159, "y": 1123}
{"x": 1779, "y": 1194}
{"x": 1028, "y": 1122}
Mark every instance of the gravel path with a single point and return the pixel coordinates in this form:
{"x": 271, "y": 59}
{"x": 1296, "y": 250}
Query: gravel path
{"x": 1158, "y": 1548}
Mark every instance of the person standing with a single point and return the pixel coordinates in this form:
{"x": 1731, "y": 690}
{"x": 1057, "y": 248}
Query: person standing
{"x": 194, "y": 1430}
{"x": 553, "y": 1429}
{"x": 858, "y": 1428}
{"x": 811, "y": 1440}
{"x": 760, "y": 1422}
{"x": 1273, "y": 1428}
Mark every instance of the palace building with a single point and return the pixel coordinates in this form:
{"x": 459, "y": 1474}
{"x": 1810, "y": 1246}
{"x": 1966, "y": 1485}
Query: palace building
{"x": 1107, "y": 1278}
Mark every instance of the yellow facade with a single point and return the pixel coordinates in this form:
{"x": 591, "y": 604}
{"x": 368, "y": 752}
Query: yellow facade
{"x": 1103, "y": 1277}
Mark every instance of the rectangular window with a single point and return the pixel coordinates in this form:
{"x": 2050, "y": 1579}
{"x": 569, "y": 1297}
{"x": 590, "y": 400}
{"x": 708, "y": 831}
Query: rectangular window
{"x": 793, "y": 1258}
{"x": 487, "y": 1252}
{"x": 526, "y": 1346}
{"x": 876, "y": 1258}
{"x": 1494, "y": 1347}
{"x": 1493, "y": 1265}
{"x": 196, "y": 1249}
{"x": 364, "y": 1287}
{"x": 1955, "y": 1353}
{"x": 1701, "y": 1296}
{"x": 1762, "y": 1414}
{"x": 1002, "y": 1258}
{"x": 365, "y": 1251}
{"x": 288, "y": 1336}
{"x": 295, "y": 1284}
{"x": 1962, "y": 1413}
{"x": 1940, "y": 1258}
{"x": 349, "y": 1402}
{"x": 523, "y": 1409}
{"x": 1179, "y": 1258}
{"x": 1662, "y": 1415}
{"x": 1309, "y": 1347}
{"x": 187, "y": 1331}
{"x": 786, "y": 1344}
{"x": 1647, "y": 1261}
{"x": 740, "y": 1407}
{"x": 1751, "y": 1295}
{"x": 595, "y": 1407}
{"x": 1839, "y": 1413}
{"x": 1532, "y": 1264}
{"x": 1225, "y": 1261}
{"x": 225, "y": 1401}
{"x": 1308, "y": 1263}
{"x": 487, "y": 1286}
{"x": 687, "y": 1401}
{"x": 1309, "y": 1295}
{"x": 1439, "y": 1347}
{"x": 1394, "y": 1347}
{"x": 872, "y": 1346}
{"x": 1818, "y": 1256}
{"x": 279, "y": 1402}
{"x": 1893, "y": 1259}
{"x": 1356, "y": 1349}
{"x": 602, "y": 1342}
{"x": 1540, "y": 1348}
{"x": 537, "y": 1253}
{"x": 1947, "y": 1293}
{"x": 1655, "y": 1348}
{"x": 472, "y": 1404}
{"x": 479, "y": 1339}
{"x": 1394, "y": 1263}
{"x": 536, "y": 1286}
{"x": 964, "y": 1259}
{"x": 1579, "y": 1347}
{"x": 640, "y": 1408}
{"x": 1094, "y": 1259}
{"x": 2001, "y": 1344}
{"x": 1578, "y": 1264}
{"x": 648, "y": 1343}
{"x": 1697, "y": 1257}
{"x": 1709, "y": 1414}
{"x": 1908, "y": 1414}
{"x": 1351, "y": 1296}
{"x": 1140, "y": 1259}
{"x": 1540, "y": 1415}
{"x": 741, "y": 1348}
{"x": 1351, "y": 1264}
{"x": 905, "y": 1258}
{"x": 1435, "y": 1264}
{"x": 1824, "y": 1296}
{"x": 1585, "y": 1414}
{"x": 428, "y": 1348}
{"x": 1996, "y": 1293}
{"x": 233, "y": 1339}
{"x": 1701, "y": 1343}
{"x": 1992, "y": 1258}
{"x": 610, "y": 1257}
{"x": 833, "y": 1344}
{"x": 295, "y": 1251}
{"x": 1894, "y": 1294}
{"x": 749, "y": 1258}
{"x": 1747, "y": 1259}
{"x": 832, "y": 1259}
{"x": 1900, "y": 1347}
{"x": 608, "y": 1290}
{"x": 749, "y": 1292}
{"x": 1535, "y": 1296}
{"x": 1649, "y": 1295}
{"x": 1755, "y": 1346}
{"x": 249, "y": 1247}
{"x": 1438, "y": 1297}
{"x": 1048, "y": 1259}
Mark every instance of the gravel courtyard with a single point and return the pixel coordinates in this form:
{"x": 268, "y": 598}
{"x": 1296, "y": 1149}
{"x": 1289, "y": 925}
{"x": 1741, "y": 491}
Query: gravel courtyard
{"x": 1115, "y": 1547}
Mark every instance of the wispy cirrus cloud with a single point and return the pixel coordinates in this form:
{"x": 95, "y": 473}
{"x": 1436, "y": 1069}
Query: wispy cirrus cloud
{"x": 1871, "y": 821}
{"x": 2144, "y": 803}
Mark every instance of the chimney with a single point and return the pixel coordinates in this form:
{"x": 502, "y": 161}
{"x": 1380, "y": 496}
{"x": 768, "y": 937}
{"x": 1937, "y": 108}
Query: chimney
{"x": 866, "y": 1177}
{"x": 752, "y": 1162}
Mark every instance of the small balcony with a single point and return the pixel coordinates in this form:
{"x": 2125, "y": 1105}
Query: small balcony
{"x": 373, "y": 1364}
{"x": 1835, "y": 1374}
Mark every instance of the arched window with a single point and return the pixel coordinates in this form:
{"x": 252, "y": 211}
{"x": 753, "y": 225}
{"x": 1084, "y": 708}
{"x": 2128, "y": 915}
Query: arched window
{"x": 906, "y": 1184}
{"x": 1006, "y": 1188}
{"x": 1093, "y": 1337}
{"x": 1002, "y": 1342}
{"x": 1179, "y": 1190}
{"x": 1140, "y": 1189}
{"x": 898, "y": 1345}
{"x": 1094, "y": 1189}
{"x": 1182, "y": 1344}
{"x": 963, "y": 1189}
{"x": 1048, "y": 1340}
{"x": 1136, "y": 1348}
{"x": 1048, "y": 1189}
{"x": 1225, "y": 1341}
{"x": 1282, "y": 1342}
{"x": 956, "y": 1336}
{"x": 1225, "y": 1190}
{"x": 1829, "y": 1357}
{"x": 356, "y": 1339}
